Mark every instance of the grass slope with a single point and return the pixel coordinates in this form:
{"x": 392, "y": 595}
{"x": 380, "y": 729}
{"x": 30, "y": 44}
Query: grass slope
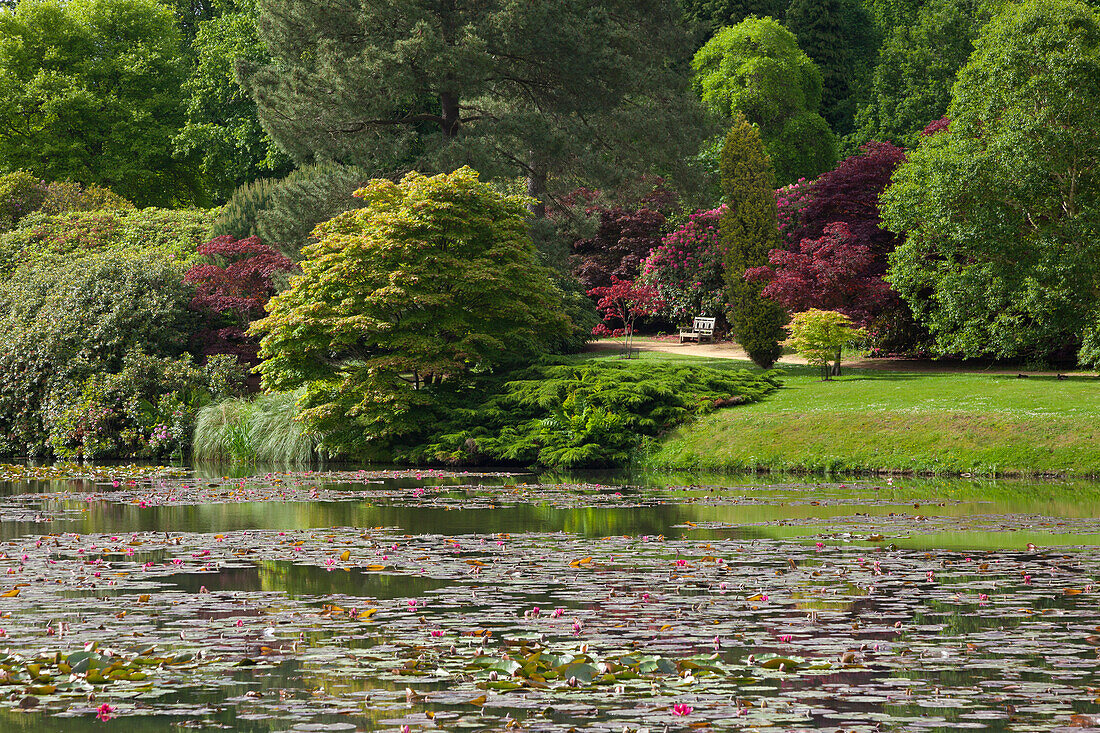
{"x": 982, "y": 424}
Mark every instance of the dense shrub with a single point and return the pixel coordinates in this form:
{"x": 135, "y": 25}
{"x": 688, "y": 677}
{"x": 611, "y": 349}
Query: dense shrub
{"x": 237, "y": 219}
{"x": 147, "y": 408}
{"x": 688, "y": 272}
{"x": 590, "y": 414}
{"x": 284, "y": 213}
{"x": 21, "y": 194}
{"x": 77, "y": 340}
{"x": 231, "y": 289}
{"x": 63, "y": 197}
{"x": 168, "y": 234}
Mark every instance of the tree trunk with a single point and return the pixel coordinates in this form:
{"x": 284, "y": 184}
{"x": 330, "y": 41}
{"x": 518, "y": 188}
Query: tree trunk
{"x": 536, "y": 188}
{"x": 450, "y": 113}
{"x": 836, "y": 364}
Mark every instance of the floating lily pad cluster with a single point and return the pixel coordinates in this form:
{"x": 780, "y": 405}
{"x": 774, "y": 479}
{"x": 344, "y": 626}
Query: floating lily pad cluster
{"x": 700, "y": 623}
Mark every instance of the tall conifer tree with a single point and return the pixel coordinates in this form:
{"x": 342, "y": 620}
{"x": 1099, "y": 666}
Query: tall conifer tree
{"x": 545, "y": 90}
{"x": 749, "y": 230}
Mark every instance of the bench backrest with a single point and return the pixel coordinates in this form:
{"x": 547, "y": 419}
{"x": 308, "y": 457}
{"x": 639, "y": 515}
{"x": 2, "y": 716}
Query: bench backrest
{"x": 704, "y": 325}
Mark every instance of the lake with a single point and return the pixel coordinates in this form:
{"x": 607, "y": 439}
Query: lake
{"x": 287, "y": 600}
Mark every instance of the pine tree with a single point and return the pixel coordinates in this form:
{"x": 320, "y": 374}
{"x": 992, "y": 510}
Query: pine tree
{"x": 237, "y": 218}
{"x": 546, "y": 91}
{"x": 749, "y": 230}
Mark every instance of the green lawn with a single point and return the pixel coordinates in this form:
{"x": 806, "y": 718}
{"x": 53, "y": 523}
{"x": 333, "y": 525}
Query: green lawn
{"x": 982, "y": 424}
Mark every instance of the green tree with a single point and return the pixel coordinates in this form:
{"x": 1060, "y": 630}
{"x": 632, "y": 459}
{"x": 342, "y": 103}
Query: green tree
{"x": 1002, "y": 211}
{"x": 434, "y": 280}
{"x": 756, "y": 68}
{"x": 548, "y": 91}
{"x": 90, "y": 91}
{"x": 222, "y": 129}
{"x": 820, "y": 336}
{"x": 749, "y": 230}
{"x": 839, "y": 35}
{"x": 917, "y": 66}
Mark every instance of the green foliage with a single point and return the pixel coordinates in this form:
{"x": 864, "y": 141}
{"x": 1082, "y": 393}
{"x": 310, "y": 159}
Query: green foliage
{"x": 434, "y": 280}
{"x": 63, "y": 325}
{"x": 839, "y": 36}
{"x": 20, "y": 194}
{"x": 63, "y": 197}
{"x": 820, "y": 336}
{"x": 284, "y": 213}
{"x": 757, "y": 69}
{"x": 147, "y": 408}
{"x": 90, "y": 91}
{"x": 172, "y": 235}
{"x": 917, "y": 67}
{"x": 304, "y": 199}
{"x": 552, "y": 92}
{"x": 590, "y": 414}
{"x": 222, "y": 129}
{"x": 265, "y": 429}
{"x": 708, "y": 16}
{"x": 1001, "y": 256}
{"x": 748, "y": 230}
{"x": 237, "y": 218}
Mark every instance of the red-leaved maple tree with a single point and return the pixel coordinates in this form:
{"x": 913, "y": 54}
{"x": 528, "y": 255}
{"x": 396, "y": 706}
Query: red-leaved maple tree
{"x": 231, "y": 290}
{"x": 624, "y": 302}
{"x": 835, "y": 249}
{"x": 834, "y": 272}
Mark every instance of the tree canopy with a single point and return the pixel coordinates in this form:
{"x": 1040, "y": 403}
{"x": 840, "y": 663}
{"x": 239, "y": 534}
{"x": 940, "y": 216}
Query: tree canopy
{"x": 917, "y": 67}
{"x": 839, "y": 35}
{"x": 756, "y": 69}
{"x": 433, "y": 280}
{"x": 543, "y": 90}
{"x": 1002, "y": 209}
{"x": 90, "y": 91}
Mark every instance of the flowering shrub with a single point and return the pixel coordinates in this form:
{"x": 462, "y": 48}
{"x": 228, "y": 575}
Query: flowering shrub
{"x": 171, "y": 234}
{"x": 146, "y": 409}
{"x": 63, "y": 323}
{"x": 63, "y": 197}
{"x": 231, "y": 290}
{"x": 20, "y": 195}
{"x": 686, "y": 270}
{"x": 791, "y": 202}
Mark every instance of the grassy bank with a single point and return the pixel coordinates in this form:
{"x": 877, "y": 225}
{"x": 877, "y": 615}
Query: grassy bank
{"x": 867, "y": 420}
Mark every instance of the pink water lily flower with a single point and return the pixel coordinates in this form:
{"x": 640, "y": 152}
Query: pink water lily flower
{"x": 103, "y": 712}
{"x": 682, "y": 709}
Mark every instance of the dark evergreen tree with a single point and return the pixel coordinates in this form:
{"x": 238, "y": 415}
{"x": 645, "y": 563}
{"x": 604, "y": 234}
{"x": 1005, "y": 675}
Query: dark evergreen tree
{"x": 839, "y": 36}
{"x": 549, "y": 91}
{"x": 748, "y": 229}
{"x": 708, "y": 16}
{"x": 304, "y": 199}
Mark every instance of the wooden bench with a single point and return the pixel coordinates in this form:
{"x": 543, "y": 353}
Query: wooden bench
{"x": 701, "y": 328}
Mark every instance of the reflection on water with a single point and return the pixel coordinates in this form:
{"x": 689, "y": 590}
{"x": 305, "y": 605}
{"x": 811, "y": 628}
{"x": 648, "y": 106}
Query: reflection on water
{"x": 368, "y": 605}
